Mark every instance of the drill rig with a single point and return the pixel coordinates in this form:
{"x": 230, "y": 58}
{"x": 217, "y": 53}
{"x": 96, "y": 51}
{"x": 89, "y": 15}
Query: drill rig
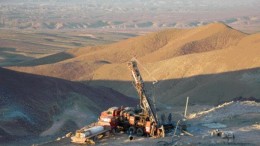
{"x": 140, "y": 121}
{"x": 146, "y": 121}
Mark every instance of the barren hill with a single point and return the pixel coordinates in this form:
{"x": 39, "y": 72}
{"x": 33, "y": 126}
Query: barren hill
{"x": 32, "y": 105}
{"x": 209, "y": 63}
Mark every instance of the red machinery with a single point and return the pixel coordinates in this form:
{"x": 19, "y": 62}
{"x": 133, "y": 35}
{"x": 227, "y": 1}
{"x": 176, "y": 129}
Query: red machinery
{"x": 108, "y": 122}
{"x": 141, "y": 121}
{"x": 110, "y": 117}
{"x": 146, "y": 121}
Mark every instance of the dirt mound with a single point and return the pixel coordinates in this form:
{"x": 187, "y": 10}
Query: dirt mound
{"x": 31, "y": 104}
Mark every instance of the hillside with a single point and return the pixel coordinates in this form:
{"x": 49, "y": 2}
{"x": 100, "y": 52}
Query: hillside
{"x": 210, "y": 63}
{"x": 33, "y": 105}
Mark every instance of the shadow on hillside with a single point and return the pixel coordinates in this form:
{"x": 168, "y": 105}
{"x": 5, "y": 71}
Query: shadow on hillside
{"x": 31, "y": 104}
{"x": 10, "y": 56}
{"x": 30, "y": 101}
{"x": 209, "y": 89}
{"x": 47, "y": 60}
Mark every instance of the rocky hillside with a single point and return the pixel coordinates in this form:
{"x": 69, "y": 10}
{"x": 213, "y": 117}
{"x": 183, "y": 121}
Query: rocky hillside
{"x": 210, "y": 63}
{"x": 33, "y": 105}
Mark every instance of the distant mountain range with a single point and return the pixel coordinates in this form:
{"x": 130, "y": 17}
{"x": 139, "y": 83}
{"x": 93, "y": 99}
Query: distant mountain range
{"x": 117, "y": 15}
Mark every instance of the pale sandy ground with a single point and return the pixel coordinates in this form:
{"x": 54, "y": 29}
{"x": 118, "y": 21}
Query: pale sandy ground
{"x": 242, "y": 118}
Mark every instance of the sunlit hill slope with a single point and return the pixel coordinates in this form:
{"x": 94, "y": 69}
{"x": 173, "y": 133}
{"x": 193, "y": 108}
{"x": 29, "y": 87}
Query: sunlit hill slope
{"x": 210, "y": 63}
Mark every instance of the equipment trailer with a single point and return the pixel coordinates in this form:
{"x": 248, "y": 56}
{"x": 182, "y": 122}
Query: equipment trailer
{"x": 90, "y": 135}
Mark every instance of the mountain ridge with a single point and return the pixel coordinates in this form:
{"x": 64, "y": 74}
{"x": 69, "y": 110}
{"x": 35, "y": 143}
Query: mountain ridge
{"x": 165, "y": 55}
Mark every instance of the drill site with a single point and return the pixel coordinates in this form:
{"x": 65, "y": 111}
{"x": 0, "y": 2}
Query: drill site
{"x": 130, "y": 73}
{"x": 155, "y": 125}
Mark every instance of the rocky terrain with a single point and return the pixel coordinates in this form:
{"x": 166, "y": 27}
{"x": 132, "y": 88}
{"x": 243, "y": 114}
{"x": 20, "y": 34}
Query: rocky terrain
{"x": 202, "y": 120}
{"x": 33, "y": 105}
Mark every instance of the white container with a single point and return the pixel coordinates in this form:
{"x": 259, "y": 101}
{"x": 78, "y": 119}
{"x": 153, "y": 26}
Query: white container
{"x": 91, "y": 131}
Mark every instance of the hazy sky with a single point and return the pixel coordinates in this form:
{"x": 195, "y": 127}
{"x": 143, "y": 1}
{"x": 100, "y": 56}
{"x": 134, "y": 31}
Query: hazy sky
{"x": 129, "y": 12}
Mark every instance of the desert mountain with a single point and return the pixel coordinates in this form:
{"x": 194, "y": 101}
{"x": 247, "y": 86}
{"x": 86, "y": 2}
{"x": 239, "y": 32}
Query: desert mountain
{"x": 209, "y": 63}
{"x": 40, "y": 105}
{"x": 149, "y": 48}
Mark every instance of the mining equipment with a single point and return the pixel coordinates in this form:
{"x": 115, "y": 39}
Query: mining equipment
{"x": 145, "y": 122}
{"x": 141, "y": 120}
{"x": 106, "y": 124}
{"x": 90, "y": 135}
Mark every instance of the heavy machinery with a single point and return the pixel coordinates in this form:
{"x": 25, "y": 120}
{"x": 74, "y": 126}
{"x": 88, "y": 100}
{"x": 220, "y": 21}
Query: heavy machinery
{"x": 107, "y": 123}
{"x": 146, "y": 121}
{"x": 90, "y": 135}
{"x": 110, "y": 117}
{"x": 139, "y": 121}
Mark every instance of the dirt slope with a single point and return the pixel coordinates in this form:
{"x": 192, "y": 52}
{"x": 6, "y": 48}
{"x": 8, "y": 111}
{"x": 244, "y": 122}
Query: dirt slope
{"x": 208, "y": 62}
{"x": 149, "y": 48}
{"x": 40, "y": 105}
{"x": 208, "y": 77}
